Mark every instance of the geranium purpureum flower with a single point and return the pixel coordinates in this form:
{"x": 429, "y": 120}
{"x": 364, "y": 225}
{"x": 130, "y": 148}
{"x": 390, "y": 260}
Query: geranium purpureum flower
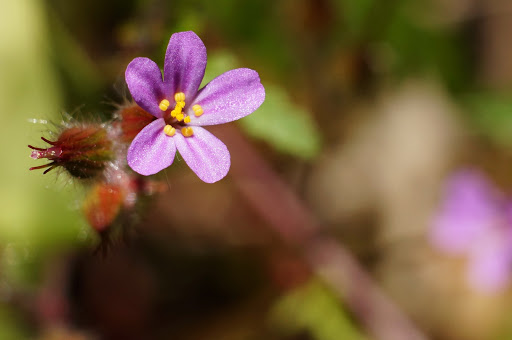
{"x": 475, "y": 221}
{"x": 182, "y": 109}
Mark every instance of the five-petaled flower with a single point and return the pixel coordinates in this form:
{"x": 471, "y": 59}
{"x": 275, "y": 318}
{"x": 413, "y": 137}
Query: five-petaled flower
{"x": 181, "y": 109}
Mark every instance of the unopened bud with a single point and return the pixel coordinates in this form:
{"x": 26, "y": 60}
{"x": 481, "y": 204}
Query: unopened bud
{"x": 133, "y": 119}
{"x": 83, "y": 151}
{"x": 102, "y": 205}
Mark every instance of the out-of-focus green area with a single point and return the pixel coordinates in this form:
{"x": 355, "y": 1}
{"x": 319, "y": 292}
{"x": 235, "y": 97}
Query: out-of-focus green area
{"x": 34, "y": 219}
{"x": 369, "y": 104}
{"x": 312, "y": 307}
{"x": 30, "y": 91}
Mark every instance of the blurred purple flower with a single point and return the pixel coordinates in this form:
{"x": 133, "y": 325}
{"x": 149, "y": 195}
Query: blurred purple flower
{"x": 475, "y": 220}
{"x": 181, "y": 109}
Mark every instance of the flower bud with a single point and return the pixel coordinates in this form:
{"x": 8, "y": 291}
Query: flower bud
{"x": 102, "y": 205}
{"x": 82, "y": 150}
{"x": 133, "y": 119}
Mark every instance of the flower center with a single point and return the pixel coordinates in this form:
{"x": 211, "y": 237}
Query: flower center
{"x": 180, "y": 118}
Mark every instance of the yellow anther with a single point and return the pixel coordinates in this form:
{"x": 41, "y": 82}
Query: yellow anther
{"x": 187, "y": 131}
{"x": 180, "y": 104}
{"x": 169, "y": 130}
{"x": 179, "y": 97}
{"x": 173, "y": 113}
{"x": 198, "y": 110}
{"x": 179, "y": 117}
{"x": 164, "y": 105}
{"x": 187, "y": 119}
{"x": 178, "y": 109}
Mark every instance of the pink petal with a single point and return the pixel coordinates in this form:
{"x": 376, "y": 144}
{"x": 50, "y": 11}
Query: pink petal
{"x": 490, "y": 262}
{"x": 145, "y": 83}
{"x": 205, "y": 154}
{"x": 230, "y": 96}
{"x": 470, "y": 208}
{"x": 151, "y": 150}
{"x": 185, "y": 61}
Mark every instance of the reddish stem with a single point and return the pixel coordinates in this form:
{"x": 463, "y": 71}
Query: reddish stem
{"x": 284, "y": 212}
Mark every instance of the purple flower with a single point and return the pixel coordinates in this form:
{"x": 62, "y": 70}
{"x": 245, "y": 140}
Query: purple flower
{"x": 475, "y": 221}
{"x": 181, "y": 109}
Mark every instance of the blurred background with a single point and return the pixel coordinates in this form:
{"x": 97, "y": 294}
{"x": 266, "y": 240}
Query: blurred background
{"x": 374, "y": 112}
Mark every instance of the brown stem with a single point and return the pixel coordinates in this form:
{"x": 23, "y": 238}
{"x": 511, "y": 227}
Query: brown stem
{"x": 273, "y": 200}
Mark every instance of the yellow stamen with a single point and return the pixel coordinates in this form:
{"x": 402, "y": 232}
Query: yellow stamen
{"x": 180, "y": 104}
{"x": 187, "y": 119}
{"x": 173, "y": 113}
{"x": 187, "y": 131}
{"x": 198, "y": 110}
{"x": 164, "y": 105}
{"x": 169, "y": 130}
{"x": 179, "y": 97}
{"x": 179, "y": 117}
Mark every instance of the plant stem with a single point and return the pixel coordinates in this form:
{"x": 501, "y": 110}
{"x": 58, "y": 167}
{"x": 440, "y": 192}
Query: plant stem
{"x": 284, "y": 212}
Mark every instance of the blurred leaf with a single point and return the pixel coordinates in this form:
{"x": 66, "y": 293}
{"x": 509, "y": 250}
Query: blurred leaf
{"x": 279, "y": 122}
{"x": 31, "y": 216}
{"x": 491, "y": 114}
{"x": 9, "y": 328}
{"x": 218, "y": 63}
{"x": 420, "y": 48}
{"x": 315, "y": 309}
{"x": 355, "y": 14}
{"x": 241, "y": 19}
{"x": 287, "y": 127}
{"x": 189, "y": 20}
